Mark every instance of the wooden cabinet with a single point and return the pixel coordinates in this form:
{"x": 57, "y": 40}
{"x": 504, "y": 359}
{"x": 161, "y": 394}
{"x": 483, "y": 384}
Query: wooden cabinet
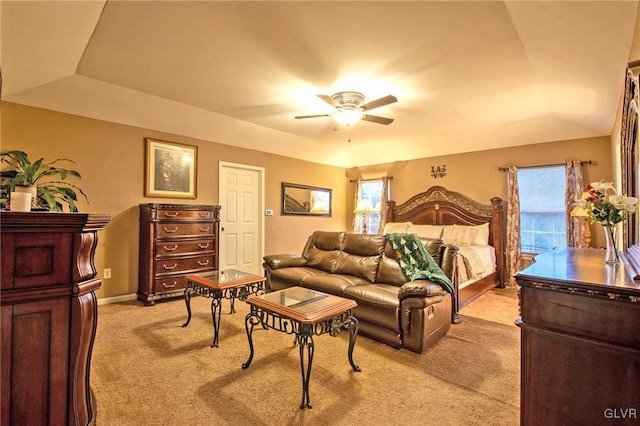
{"x": 175, "y": 240}
{"x": 580, "y": 337}
{"x": 49, "y": 316}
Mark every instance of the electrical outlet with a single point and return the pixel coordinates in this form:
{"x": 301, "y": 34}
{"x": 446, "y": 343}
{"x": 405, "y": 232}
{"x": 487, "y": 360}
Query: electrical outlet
{"x": 107, "y": 273}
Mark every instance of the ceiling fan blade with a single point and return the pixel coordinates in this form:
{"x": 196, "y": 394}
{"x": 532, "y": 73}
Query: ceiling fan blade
{"x": 389, "y": 99}
{"x": 376, "y": 119}
{"x": 328, "y": 99}
{"x": 312, "y": 116}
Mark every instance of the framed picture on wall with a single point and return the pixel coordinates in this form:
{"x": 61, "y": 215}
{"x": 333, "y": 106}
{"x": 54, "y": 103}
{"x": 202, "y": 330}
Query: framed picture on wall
{"x": 170, "y": 169}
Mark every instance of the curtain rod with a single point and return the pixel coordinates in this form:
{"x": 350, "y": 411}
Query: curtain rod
{"x": 582, "y": 163}
{"x": 365, "y": 180}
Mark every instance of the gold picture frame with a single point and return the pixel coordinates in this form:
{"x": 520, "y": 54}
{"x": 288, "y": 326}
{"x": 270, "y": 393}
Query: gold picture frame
{"x": 170, "y": 169}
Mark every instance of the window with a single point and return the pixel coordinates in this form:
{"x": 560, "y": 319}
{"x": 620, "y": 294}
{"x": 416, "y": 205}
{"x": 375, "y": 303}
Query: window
{"x": 368, "y": 206}
{"x": 542, "y": 208}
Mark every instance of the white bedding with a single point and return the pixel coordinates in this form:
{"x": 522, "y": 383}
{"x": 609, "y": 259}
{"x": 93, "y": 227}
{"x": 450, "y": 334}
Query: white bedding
{"x": 475, "y": 262}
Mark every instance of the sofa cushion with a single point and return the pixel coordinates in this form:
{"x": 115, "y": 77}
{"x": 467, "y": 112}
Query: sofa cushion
{"x": 377, "y": 304}
{"x": 360, "y": 255}
{"x": 434, "y": 247}
{"x": 289, "y": 277}
{"x": 323, "y": 249}
{"x": 332, "y": 283}
{"x": 389, "y": 272}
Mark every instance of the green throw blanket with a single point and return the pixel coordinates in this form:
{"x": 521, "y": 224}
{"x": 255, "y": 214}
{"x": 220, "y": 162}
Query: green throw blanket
{"x": 416, "y": 263}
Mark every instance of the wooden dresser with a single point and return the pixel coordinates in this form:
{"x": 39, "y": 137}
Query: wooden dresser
{"x": 580, "y": 328}
{"x": 175, "y": 240}
{"x": 49, "y": 316}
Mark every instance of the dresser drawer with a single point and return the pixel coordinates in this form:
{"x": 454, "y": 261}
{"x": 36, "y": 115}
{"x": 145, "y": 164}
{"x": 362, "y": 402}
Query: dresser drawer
{"x": 179, "y": 248}
{"x": 172, "y": 214}
{"x": 169, "y": 284}
{"x": 183, "y": 265}
{"x": 172, "y": 230}
{"x": 592, "y": 317}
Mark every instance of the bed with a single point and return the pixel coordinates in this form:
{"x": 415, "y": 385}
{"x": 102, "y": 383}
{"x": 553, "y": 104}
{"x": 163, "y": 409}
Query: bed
{"x": 459, "y": 220}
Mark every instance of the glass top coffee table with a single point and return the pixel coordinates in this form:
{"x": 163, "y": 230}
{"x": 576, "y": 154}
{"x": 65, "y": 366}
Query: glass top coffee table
{"x": 305, "y": 313}
{"x": 229, "y": 284}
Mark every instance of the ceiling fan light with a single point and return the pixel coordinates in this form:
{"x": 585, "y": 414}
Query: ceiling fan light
{"x": 347, "y": 117}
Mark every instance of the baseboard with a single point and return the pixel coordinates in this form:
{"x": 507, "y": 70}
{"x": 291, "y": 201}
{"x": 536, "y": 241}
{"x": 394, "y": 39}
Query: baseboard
{"x": 117, "y": 299}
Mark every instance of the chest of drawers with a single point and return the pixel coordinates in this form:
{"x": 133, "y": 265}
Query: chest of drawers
{"x": 175, "y": 240}
{"x": 580, "y": 358}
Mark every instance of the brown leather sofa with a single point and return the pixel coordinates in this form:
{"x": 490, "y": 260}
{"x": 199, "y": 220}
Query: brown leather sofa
{"x": 412, "y": 315}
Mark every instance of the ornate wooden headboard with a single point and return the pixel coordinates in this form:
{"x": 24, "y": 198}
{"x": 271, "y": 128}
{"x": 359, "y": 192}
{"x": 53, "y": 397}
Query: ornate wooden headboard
{"x": 439, "y": 206}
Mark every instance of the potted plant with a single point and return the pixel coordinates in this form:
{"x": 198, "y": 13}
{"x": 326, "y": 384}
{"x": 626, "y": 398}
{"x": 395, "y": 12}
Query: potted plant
{"x": 52, "y": 189}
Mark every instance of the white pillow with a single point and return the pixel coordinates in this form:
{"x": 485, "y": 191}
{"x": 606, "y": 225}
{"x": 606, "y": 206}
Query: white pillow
{"x": 426, "y": 231}
{"x": 482, "y": 234}
{"x": 396, "y": 227}
{"x": 459, "y": 235}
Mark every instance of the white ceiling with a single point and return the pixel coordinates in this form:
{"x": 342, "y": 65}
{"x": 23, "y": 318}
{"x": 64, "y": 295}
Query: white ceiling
{"x": 468, "y": 75}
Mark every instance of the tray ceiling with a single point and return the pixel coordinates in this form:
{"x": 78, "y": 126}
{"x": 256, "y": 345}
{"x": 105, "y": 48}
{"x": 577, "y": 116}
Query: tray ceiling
{"x": 468, "y": 75}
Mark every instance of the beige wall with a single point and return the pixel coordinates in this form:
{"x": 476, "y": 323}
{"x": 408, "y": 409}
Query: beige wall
{"x": 635, "y": 46}
{"x": 110, "y": 158}
{"x": 476, "y": 174}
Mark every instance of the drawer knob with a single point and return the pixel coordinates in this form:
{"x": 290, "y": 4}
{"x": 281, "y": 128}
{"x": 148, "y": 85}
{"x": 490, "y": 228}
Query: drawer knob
{"x": 203, "y": 246}
{"x": 169, "y": 214}
{"x": 204, "y": 228}
{"x": 167, "y": 248}
{"x": 204, "y": 214}
{"x": 203, "y": 262}
{"x": 169, "y": 268}
{"x": 165, "y": 285}
{"x": 170, "y": 230}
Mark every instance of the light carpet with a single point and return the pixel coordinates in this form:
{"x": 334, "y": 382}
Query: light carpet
{"x": 148, "y": 370}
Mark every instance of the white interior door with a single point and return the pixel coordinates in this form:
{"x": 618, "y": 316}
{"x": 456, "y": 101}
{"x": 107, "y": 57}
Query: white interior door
{"x": 241, "y": 195}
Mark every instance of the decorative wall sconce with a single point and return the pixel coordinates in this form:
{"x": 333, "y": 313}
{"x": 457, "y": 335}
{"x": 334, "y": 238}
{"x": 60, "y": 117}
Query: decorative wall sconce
{"x": 438, "y": 171}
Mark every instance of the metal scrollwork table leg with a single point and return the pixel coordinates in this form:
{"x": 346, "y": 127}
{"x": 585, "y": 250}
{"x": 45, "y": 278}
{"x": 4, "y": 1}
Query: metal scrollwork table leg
{"x": 304, "y": 337}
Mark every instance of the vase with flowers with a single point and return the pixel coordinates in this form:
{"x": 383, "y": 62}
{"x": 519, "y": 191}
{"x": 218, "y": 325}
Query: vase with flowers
{"x": 601, "y": 203}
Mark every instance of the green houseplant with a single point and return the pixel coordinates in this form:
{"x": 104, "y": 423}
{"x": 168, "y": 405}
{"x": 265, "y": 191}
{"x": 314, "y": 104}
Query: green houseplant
{"x": 53, "y": 190}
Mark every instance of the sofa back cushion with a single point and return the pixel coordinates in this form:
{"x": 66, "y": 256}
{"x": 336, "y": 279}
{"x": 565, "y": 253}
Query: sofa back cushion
{"x": 434, "y": 247}
{"x": 448, "y": 255}
{"x": 322, "y": 250}
{"x": 389, "y": 271}
{"x": 360, "y": 255}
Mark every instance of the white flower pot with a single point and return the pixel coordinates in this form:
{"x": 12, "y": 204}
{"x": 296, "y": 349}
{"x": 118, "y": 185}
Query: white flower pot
{"x": 20, "y": 201}
{"x": 30, "y": 189}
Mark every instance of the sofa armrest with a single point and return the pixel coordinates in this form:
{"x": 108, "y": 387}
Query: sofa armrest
{"x": 276, "y": 261}
{"x": 420, "y": 288}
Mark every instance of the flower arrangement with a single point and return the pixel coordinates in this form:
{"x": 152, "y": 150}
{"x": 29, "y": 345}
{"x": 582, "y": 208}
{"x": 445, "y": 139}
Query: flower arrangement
{"x": 600, "y": 203}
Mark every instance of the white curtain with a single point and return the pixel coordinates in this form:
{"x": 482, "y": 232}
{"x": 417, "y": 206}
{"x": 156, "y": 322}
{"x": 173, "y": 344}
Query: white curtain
{"x": 357, "y": 218}
{"x": 513, "y": 250}
{"x": 576, "y": 226}
{"x": 384, "y": 199}
{"x": 373, "y": 201}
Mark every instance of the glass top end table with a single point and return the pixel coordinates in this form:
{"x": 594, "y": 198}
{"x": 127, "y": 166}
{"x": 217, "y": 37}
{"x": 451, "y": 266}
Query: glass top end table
{"x": 304, "y": 313}
{"x": 228, "y": 284}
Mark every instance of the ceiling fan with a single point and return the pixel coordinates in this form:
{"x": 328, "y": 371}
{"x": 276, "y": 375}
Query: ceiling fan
{"x": 350, "y": 108}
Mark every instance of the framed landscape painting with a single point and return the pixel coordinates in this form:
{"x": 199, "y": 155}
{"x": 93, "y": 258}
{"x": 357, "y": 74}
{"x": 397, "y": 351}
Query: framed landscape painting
{"x": 170, "y": 169}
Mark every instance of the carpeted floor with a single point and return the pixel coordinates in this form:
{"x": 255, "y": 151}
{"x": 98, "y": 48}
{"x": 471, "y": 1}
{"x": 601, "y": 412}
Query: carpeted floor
{"x": 148, "y": 370}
